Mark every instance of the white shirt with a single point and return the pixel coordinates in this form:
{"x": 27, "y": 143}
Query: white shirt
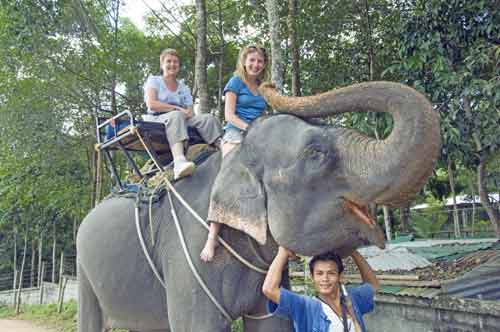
{"x": 336, "y": 321}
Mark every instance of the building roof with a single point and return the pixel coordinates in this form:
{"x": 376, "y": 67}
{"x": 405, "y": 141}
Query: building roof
{"x": 430, "y": 268}
{"x": 483, "y": 282}
{"x": 461, "y": 199}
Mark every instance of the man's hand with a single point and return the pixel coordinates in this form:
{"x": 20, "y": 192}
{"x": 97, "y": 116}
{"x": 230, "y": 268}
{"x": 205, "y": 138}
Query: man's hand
{"x": 285, "y": 251}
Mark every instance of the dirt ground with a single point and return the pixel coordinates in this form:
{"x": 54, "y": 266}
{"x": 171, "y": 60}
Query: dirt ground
{"x": 10, "y": 325}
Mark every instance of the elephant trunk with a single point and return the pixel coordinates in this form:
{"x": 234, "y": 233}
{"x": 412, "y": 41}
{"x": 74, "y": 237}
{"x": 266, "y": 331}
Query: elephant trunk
{"x": 390, "y": 171}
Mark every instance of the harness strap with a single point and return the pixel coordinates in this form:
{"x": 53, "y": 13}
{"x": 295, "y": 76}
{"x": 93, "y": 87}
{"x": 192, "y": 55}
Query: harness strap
{"x": 190, "y": 262}
{"x": 171, "y": 189}
{"x": 204, "y": 224}
{"x": 143, "y": 245}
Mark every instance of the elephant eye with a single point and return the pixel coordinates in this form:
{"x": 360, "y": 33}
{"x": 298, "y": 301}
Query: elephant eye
{"x": 315, "y": 156}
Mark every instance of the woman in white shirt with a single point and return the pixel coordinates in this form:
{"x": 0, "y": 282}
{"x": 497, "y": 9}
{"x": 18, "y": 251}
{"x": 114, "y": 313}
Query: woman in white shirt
{"x": 169, "y": 101}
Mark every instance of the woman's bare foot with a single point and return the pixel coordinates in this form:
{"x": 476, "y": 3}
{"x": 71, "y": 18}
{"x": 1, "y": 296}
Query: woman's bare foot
{"x": 207, "y": 254}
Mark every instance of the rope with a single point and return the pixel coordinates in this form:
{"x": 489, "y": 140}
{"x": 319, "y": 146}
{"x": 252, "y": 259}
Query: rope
{"x": 171, "y": 189}
{"x": 190, "y": 262}
{"x": 196, "y": 215}
{"x": 204, "y": 224}
{"x": 143, "y": 245}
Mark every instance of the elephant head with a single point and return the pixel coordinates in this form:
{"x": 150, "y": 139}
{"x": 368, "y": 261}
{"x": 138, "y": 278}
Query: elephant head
{"x": 307, "y": 184}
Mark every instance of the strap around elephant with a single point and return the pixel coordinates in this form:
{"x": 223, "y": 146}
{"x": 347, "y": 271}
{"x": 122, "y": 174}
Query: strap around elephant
{"x": 171, "y": 188}
{"x": 190, "y": 262}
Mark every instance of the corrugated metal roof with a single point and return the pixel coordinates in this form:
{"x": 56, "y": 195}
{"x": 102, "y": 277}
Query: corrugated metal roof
{"x": 395, "y": 258}
{"x": 483, "y": 282}
{"x": 449, "y": 251}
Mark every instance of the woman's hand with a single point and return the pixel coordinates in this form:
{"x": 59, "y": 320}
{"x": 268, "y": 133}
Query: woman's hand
{"x": 187, "y": 111}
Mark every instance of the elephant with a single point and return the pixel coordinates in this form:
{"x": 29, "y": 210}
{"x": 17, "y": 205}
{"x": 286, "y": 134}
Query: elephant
{"x": 291, "y": 182}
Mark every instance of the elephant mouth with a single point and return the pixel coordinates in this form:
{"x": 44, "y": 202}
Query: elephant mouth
{"x": 363, "y": 216}
{"x": 361, "y": 212}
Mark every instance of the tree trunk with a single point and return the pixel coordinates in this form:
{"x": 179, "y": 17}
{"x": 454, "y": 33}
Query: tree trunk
{"x": 95, "y": 179}
{"x": 491, "y": 210}
{"x": 456, "y": 223}
{"x": 387, "y": 223}
{"x": 200, "y": 70}
{"x": 294, "y": 47}
{"x": 33, "y": 260}
{"x": 473, "y": 194}
{"x": 220, "y": 82}
{"x": 464, "y": 221}
{"x": 15, "y": 261}
{"x": 404, "y": 218}
{"x": 17, "y": 300}
{"x": 276, "y": 54}
{"x": 74, "y": 230}
{"x": 54, "y": 251}
{"x": 40, "y": 248}
{"x": 369, "y": 33}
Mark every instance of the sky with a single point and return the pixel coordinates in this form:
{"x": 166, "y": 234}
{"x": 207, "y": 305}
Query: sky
{"x": 136, "y": 9}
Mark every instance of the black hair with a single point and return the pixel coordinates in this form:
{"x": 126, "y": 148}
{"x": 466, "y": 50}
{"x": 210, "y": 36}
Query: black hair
{"x": 327, "y": 256}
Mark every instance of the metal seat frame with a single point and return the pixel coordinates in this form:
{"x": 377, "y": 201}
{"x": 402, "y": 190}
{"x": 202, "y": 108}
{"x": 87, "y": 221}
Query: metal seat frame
{"x": 143, "y": 136}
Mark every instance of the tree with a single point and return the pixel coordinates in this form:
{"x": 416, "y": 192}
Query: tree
{"x": 294, "y": 46}
{"x": 449, "y": 50}
{"x": 272, "y": 9}
{"x": 201, "y": 55}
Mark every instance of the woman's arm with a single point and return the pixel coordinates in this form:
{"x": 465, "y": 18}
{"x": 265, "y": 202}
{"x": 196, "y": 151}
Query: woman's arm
{"x": 367, "y": 274}
{"x": 157, "y": 106}
{"x": 230, "y": 111}
{"x": 271, "y": 286}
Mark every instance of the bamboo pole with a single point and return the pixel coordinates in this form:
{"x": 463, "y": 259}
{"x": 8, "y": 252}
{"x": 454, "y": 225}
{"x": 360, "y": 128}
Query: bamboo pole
{"x": 14, "y": 288}
{"x": 54, "y": 265}
{"x": 33, "y": 262}
{"x": 40, "y": 247}
{"x": 61, "y": 267}
{"x": 41, "y": 283}
{"x": 61, "y": 299}
{"x": 18, "y": 297}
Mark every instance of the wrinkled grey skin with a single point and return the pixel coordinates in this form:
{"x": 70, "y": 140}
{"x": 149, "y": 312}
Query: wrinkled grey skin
{"x": 117, "y": 284}
{"x": 295, "y": 178}
{"x": 286, "y": 183}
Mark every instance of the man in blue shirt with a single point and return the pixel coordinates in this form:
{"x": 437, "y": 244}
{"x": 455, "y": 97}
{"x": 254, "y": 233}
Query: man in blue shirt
{"x": 334, "y": 309}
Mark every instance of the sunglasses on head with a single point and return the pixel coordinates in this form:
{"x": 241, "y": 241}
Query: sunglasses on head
{"x": 255, "y": 47}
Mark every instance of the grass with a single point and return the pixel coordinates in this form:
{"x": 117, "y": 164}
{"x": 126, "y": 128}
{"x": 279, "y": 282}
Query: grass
{"x": 46, "y": 315}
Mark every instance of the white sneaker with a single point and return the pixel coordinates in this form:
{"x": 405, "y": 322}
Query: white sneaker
{"x": 183, "y": 168}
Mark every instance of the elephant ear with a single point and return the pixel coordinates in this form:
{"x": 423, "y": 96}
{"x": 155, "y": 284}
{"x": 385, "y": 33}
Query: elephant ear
{"x": 238, "y": 198}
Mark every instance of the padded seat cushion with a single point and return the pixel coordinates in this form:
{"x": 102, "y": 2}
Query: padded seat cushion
{"x": 153, "y": 130}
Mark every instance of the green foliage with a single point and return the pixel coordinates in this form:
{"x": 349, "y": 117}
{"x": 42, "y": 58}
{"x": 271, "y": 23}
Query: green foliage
{"x": 430, "y": 221}
{"x": 449, "y": 51}
{"x": 237, "y": 326}
{"x": 46, "y": 315}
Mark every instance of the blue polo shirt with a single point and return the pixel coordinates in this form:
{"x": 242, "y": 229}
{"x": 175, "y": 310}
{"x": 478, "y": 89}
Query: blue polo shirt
{"x": 307, "y": 312}
{"x": 248, "y": 106}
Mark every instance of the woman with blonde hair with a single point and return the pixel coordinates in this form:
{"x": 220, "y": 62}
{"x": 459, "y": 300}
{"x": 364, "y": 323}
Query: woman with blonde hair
{"x": 243, "y": 104}
{"x": 169, "y": 101}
